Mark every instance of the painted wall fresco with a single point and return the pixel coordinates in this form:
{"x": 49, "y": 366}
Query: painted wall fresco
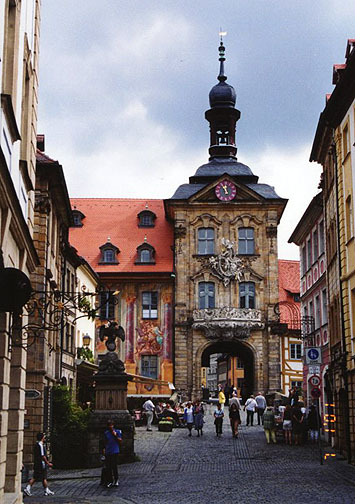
{"x": 145, "y": 337}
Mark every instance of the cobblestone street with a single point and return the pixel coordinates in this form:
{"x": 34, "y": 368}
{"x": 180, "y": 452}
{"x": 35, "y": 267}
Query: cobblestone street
{"x": 178, "y": 468}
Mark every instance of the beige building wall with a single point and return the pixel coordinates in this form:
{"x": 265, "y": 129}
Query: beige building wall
{"x": 19, "y": 38}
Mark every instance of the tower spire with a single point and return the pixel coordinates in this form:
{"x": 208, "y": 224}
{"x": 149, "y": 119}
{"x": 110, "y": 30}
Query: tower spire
{"x": 222, "y": 115}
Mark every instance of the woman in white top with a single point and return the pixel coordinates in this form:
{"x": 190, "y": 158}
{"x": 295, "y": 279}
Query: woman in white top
{"x": 189, "y": 416}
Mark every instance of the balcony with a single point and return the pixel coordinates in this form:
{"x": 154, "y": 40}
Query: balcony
{"x": 227, "y": 322}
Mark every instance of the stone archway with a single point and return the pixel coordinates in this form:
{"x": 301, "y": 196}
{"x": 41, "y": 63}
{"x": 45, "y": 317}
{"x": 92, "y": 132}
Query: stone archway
{"x": 233, "y": 347}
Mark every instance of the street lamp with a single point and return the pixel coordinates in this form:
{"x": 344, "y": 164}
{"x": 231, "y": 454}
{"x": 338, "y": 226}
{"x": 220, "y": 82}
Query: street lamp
{"x": 86, "y": 340}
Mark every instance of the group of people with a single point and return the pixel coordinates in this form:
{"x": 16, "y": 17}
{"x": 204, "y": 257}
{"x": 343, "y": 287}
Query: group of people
{"x": 234, "y": 415}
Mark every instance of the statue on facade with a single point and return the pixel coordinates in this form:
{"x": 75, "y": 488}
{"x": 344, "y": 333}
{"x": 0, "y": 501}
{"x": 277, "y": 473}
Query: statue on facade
{"x": 227, "y": 265}
{"x": 112, "y": 331}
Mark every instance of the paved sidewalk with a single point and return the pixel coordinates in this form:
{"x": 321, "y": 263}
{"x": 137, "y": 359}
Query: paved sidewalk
{"x": 177, "y": 468}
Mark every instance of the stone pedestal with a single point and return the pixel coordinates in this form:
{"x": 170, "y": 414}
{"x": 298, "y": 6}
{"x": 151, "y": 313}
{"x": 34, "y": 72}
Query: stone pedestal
{"x": 110, "y": 404}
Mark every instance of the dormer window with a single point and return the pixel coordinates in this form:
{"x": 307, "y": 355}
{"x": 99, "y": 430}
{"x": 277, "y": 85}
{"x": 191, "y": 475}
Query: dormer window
{"x": 146, "y": 218}
{"x": 145, "y": 254}
{"x": 109, "y": 253}
{"x": 77, "y": 217}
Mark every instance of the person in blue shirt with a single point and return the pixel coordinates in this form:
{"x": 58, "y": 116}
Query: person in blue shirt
{"x": 113, "y": 439}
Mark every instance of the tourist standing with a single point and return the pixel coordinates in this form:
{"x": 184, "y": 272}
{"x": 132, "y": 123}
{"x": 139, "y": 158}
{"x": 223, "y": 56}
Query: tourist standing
{"x": 189, "y": 416}
{"x": 313, "y": 423}
{"x": 149, "y": 407}
{"x": 260, "y": 406}
{"x": 297, "y": 424}
{"x": 226, "y": 393}
{"x": 199, "y": 414}
{"x": 40, "y": 466}
{"x": 234, "y": 418}
{"x": 269, "y": 425}
{"x": 113, "y": 439}
{"x": 250, "y": 407}
{"x": 287, "y": 424}
{"x": 218, "y": 419}
{"x": 221, "y": 397}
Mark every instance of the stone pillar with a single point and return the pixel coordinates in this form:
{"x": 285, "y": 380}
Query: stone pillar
{"x": 110, "y": 403}
{"x": 4, "y": 399}
{"x": 16, "y": 413}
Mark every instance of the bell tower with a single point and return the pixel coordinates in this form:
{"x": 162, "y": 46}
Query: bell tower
{"x": 222, "y": 115}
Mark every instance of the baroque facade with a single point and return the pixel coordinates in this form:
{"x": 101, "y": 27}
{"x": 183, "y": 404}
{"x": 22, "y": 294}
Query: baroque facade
{"x": 19, "y": 51}
{"x": 225, "y": 261}
{"x": 333, "y": 147}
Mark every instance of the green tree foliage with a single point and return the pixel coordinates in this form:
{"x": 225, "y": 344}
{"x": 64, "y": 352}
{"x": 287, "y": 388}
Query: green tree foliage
{"x": 69, "y": 436}
{"x": 85, "y": 354}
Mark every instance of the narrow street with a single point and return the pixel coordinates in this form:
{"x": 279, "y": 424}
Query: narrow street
{"x": 176, "y": 468}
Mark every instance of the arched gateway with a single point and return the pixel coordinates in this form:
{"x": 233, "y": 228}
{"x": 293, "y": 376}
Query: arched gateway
{"x": 226, "y": 265}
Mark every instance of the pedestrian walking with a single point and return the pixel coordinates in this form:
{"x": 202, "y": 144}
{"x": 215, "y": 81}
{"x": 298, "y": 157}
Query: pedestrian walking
{"x": 198, "y": 420}
{"x": 189, "y": 413}
{"x": 313, "y": 423}
{"x": 221, "y": 397}
{"x": 269, "y": 425}
{"x": 218, "y": 419}
{"x": 149, "y": 407}
{"x": 234, "y": 400}
{"x": 297, "y": 424}
{"x": 234, "y": 418}
{"x": 41, "y": 463}
{"x": 260, "y": 406}
{"x": 287, "y": 424}
{"x": 250, "y": 407}
{"x": 113, "y": 440}
{"x": 226, "y": 394}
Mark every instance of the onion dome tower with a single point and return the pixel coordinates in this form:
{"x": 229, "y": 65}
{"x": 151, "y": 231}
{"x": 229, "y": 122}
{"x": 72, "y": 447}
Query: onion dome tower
{"x": 222, "y": 115}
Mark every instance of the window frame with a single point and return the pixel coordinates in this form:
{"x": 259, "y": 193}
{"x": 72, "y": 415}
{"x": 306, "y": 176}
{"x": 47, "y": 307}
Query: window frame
{"x": 151, "y": 310}
{"x": 296, "y": 350}
{"x": 205, "y": 240}
{"x": 246, "y": 241}
{"x": 246, "y": 295}
{"x": 150, "y": 359}
{"x": 209, "y": 295}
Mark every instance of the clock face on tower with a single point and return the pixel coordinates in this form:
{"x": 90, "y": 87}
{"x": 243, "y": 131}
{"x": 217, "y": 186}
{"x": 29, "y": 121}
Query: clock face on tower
{"x": 225, "y": 190}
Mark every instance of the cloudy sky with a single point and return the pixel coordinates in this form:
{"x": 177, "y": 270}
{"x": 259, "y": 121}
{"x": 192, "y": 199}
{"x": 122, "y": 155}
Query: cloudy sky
{"x": 124, "y": 86}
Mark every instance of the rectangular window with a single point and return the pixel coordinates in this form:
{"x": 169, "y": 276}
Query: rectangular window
{"x": 317, "y": 313}
{"x": 240, "y": 363}
{"x": 149, "y": 305}
{"x": 149, "y": 366}
{"x": 315, "y": 245}
{"x": 309, "y": 254}
{"x": 346, "y": 141}
{"x": 349, "y": 217}
{"x": 246, "y": 241}
{"x": 324, "y": 307}
{"x": 206, "y": 295}
{"x": 295, "y": 351}
{"x": 321, "y": 237}
{"x": 296, "y": 384}
{"x": 304, "y": 260}
{"x": 247, "y": 295}
{"x": 205, "y": 241}
{"x": 107, "y": 306}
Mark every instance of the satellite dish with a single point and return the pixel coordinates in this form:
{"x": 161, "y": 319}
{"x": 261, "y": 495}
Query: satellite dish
{"x": 15, "y": 289}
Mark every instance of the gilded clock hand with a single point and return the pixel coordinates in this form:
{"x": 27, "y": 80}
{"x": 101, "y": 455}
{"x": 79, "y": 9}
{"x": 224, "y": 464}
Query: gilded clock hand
{"x": 225, "y": 189}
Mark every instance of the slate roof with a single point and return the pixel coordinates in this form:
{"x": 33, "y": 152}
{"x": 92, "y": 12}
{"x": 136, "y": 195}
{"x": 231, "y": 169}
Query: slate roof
{"x": 186, "y": 190}
{"x": 116, "y": 218}
{"x": 219, "y": 166}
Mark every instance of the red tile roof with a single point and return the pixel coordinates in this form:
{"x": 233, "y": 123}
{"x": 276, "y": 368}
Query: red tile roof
{"x": 289, "y": 278}
{"x": 117, "y": 219}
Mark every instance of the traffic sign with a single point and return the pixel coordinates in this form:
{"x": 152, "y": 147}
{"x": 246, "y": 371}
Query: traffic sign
{"x": 313, "y": 356}
{"x": 316, "y": 393}
{"x": 314, "y": 370}
{"x": 314, "y": 380}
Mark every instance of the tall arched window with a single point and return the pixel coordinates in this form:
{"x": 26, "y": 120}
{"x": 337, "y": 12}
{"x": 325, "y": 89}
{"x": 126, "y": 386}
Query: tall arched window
{"x": 206, "y": 295}
{"x": 247, "y": 295}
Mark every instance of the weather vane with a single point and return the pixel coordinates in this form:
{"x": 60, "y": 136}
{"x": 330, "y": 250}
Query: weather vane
{"x": 222, "y": 34}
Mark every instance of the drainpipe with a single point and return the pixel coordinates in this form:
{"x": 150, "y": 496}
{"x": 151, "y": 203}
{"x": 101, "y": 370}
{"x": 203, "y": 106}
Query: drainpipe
{"x": 343, "y": 339}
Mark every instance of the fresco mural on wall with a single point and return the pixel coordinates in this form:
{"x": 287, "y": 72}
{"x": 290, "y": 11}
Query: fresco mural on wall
{"x": 149, "y": 339}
